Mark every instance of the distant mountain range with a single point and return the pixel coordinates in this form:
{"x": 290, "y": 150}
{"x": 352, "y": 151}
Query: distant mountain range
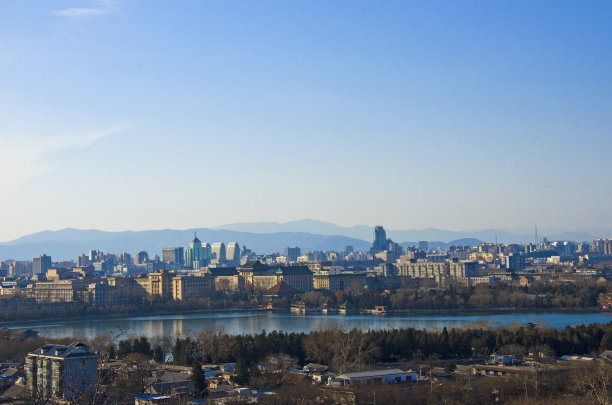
{"x": 261, "y": 237}
{"x": 69, "y": 243}
{"x": 365, "y": 232}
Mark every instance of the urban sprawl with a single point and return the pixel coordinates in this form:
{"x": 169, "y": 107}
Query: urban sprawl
{"x": 331, "y": 364}
{"x": 104, "y": 279}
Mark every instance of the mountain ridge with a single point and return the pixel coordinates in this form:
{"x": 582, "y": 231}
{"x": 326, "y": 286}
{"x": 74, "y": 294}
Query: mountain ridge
{"x": 273, "y": 237}
{"x": 365, "y": 232}
{"x": 69, "y": 243}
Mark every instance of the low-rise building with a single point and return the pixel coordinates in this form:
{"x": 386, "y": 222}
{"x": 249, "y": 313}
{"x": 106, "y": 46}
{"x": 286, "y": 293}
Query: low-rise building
{"x": 459, "y": 269}
{"x": 188, "y": 287}
{"x": 102, "y": 294}
{"x": 58, "y": 291}
{"x": 338, "y": 282}
{"x": 423, "y": 269}
{"x": 158, "y": 285}
{"x": 388, "y": 376}
{"x": 226, "y": 278}
{"x": 298, "y": 277}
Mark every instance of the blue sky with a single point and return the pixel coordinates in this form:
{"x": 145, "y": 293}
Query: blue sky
{"x": 126, "y": 114}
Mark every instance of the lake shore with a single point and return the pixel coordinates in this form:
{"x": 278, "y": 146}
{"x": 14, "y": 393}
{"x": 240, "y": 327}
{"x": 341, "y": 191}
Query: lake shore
{"x": 131, "y": 314}
{"x": 254, "y": 320}
{"x": 395, "y": 312}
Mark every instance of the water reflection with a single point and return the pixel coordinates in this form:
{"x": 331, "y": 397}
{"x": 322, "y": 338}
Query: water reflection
{"x": 255, "y": 322}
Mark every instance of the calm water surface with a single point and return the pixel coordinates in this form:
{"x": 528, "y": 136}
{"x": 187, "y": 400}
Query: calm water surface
{"x": 254, "y": 322}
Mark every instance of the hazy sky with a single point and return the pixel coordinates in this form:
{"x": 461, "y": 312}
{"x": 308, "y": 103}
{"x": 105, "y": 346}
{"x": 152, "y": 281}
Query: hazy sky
{"x": 128, "y": 114}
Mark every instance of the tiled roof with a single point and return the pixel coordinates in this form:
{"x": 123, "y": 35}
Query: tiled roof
{"x": 222, "y": 271}
{"x": 374, "y": 373}
{"x": 75, "y": 349}
{"x": 254, "y": 265}
{"x": 282, "y": 288}
{"x": 293, "y": 270}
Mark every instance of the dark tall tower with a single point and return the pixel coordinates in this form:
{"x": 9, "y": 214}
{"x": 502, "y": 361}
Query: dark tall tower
{"x": 380, "y": 239}
{"x": 292, "y": 253}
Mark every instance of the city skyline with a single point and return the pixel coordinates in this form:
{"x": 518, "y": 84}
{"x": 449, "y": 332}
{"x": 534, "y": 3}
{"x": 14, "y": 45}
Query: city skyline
{"x": 132, "y": 115}
{"x": 268, "y": 238}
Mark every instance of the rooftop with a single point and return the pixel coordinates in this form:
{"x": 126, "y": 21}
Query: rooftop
{"x": 222, "y": 271}
{"x": 293, "y": 270}
{"x": 374, "y": 373}
{"x": 74, "y": 350}
{"x": 282, "y": 288}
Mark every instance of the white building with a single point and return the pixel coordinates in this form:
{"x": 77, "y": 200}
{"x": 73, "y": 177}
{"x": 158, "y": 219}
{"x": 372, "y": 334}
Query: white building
{"x": 388, "y": 376}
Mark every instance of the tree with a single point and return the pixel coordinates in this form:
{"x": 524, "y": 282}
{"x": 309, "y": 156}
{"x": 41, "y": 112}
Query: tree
{"x": 242, "y": 373}
{"x": 199, "y": 380}
{"x": 158, "y": 355}
{"x": 596, "y": 380}
{"x": 606, "y": 341}
{"x": 112, "y": 352}
{"x": 254, "y": 371}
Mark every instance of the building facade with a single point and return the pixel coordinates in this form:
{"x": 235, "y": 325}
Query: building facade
{"x": 62, "y": 372}
{"x": 197, "y": 255}
{"x": 157, "y": 285}
{"x": 338, "y": 282}
{"x": 298, "y": 277}
{"x": 58, "y": 291}
{"x": 41, "y": 263}
{"x": 189, "y": 287}
{"x": 232, "y": 255}
{"x": 174, "y": 257}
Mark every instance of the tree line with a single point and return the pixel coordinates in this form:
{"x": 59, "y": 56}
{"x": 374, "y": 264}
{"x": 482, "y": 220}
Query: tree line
{"x": 353, "y": 349}
{"x": 539, "y": 295}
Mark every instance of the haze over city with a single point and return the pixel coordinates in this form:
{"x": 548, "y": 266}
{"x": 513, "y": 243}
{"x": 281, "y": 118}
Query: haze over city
{"x": 122, "y": 115}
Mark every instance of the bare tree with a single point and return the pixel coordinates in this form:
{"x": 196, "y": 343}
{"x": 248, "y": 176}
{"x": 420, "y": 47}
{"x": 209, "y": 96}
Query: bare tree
{"x": 596, "y": 380}
{"x": 103, "y": 345}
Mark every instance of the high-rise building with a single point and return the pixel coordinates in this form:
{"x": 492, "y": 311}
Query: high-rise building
{"x": 423, "y": 245}
{"x": 93, "y": 255}
{"x": 41, "y": 263}
{"x": 608, "y": 247}
{"x": 124, "y": 258}
{"x": 380, "y": 239}
{"x": 174, "y": 256}
{"x": 514, "y": 261}
{"x": 584, "y": 248}
{"x": 218, "y": 252}
{"x": 83, "y": 260}
{"x": 232, "y": 255}
{"x": 598, "y": 246}
{"x": 197, "y": 255}
{"x": 141, "y": 257}
{"x": 292, "y": 253}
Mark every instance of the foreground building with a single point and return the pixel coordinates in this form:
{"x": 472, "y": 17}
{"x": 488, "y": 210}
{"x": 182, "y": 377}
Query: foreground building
{"x": 62, "y": 372}
{"x": 389, "y": 376}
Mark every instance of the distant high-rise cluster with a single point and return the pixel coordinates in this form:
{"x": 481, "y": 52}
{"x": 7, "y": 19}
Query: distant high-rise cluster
{"x": 380, "y": 239}
{"x": 100, "y": 278}
{"x": 197, "y": 255}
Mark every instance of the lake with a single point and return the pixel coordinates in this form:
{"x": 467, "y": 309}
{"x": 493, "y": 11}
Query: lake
{"x": 256, "y": 321}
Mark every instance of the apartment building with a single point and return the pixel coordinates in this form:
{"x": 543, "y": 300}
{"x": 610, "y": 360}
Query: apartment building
{"x": 62, "y": 372}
